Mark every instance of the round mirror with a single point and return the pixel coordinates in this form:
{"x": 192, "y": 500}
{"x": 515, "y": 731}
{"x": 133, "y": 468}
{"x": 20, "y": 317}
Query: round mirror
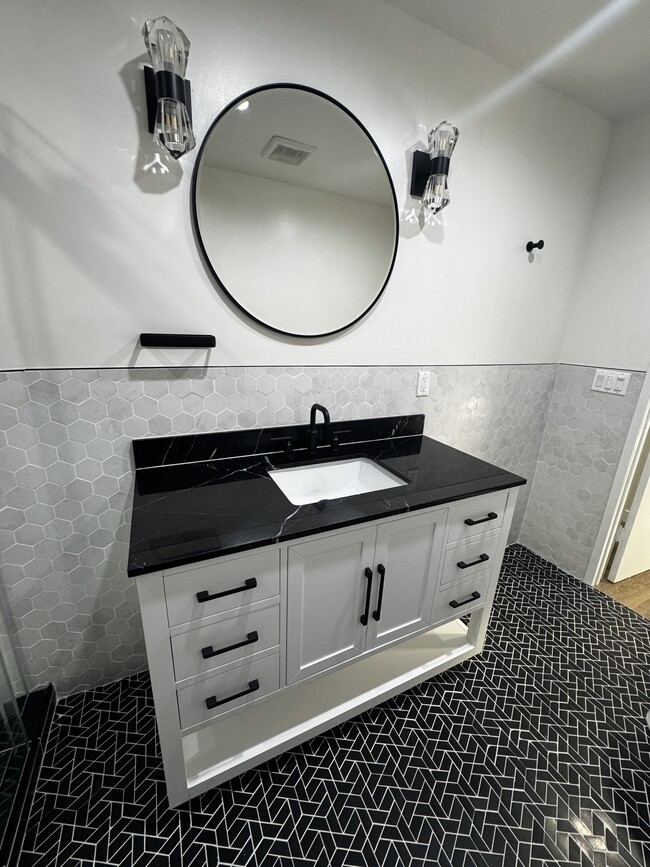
{"x": 295, "y": 211}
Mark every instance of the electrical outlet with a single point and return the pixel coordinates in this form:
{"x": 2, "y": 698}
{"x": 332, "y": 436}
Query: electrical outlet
{"x": 423, "y": 384}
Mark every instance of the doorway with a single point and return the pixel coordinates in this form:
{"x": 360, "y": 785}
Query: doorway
{"x": 620, "y": 563}
{"x": 627, "y": 573}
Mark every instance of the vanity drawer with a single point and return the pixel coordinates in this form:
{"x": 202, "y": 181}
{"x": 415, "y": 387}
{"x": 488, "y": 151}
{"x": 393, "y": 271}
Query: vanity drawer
{"x": 469, "y": 558}
{"x": 242, "y": 634}
{"x": 467, "y": 596}
{"x": 229, "y": 690}
{"x": 485, "y": 514}
{"x": 223, "y": 584}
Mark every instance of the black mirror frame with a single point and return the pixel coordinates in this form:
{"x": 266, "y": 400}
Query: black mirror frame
{"x": 197, "y": 232}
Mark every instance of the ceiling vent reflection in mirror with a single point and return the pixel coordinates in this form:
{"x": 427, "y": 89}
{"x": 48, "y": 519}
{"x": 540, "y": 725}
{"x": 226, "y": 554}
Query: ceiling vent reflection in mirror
{"x": 285, "y": 150}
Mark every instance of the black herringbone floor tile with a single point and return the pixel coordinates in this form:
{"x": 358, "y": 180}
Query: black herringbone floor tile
{"x": 534, "y": 753}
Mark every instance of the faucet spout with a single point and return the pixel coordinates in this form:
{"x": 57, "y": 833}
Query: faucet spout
{"x": 312, "y": 415}
{"x": 313, "y": 432}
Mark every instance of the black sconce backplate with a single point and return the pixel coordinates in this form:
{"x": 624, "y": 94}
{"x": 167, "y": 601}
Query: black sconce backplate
{"x": 153, "y": 96}
{"x": 420, "y": 173}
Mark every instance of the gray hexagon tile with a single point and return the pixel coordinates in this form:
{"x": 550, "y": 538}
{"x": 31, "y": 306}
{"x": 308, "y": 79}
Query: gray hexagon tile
{"x": 66, "y": 476}
{"x": 582, "y": 444}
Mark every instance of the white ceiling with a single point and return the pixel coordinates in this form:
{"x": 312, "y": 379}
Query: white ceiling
{"x": 595, "y": 51}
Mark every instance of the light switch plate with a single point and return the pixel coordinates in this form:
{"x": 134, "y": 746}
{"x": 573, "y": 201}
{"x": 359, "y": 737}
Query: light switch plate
{"x": 610, "y": 381}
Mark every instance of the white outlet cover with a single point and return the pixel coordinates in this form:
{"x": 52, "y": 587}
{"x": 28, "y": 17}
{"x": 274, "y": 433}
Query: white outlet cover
{"x": 423, "y": 383}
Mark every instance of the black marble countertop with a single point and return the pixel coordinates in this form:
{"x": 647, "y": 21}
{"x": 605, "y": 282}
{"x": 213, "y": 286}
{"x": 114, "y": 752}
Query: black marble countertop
{"x": 208, "y": 495}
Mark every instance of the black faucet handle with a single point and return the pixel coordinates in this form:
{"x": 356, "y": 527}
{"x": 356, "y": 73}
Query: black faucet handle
{"x": 288, "y": 446}
{"x": 334, "y": 441}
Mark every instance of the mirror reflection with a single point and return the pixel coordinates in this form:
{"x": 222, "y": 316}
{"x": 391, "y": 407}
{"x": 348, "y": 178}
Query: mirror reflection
{"x": 295, "y": 211}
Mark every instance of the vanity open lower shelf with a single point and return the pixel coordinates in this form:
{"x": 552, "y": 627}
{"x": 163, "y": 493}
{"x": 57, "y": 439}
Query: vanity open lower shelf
{"x": 267, "y": 624}
{"x": 260, "y": 732}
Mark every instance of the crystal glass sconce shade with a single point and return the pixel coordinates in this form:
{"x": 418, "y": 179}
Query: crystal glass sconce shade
{"x": 436, "y": 193}
{"x": 431, "y": 167}
{"x": 168, "y": 49}
{"x": 442, "y": 141}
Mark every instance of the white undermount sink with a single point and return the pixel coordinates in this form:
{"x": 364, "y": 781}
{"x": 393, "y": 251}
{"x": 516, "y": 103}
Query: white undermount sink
{"x": 333, "y": 480}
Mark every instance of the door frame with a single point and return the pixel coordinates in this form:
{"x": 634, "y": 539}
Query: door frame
{"x": 626, "y": 532}
{"x": 638, "y": 431}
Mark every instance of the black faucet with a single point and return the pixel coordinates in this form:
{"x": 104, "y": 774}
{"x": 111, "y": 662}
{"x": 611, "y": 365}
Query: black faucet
{"x": 313, "y": 432}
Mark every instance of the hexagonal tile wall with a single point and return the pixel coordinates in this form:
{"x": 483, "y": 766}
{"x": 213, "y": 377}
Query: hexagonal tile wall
{"x": 66, "y": 476}
{"x": 582, "y": 444}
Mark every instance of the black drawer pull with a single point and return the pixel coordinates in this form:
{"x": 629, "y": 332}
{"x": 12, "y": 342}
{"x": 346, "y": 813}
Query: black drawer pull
{"x": 382, "y": 574}
{"x": 489, "y": 517}
{"x": 209, "y": 652}
{"x": 204, "y": 596}
{"x": 364, "y": 617}
{"x": 472, "y": 598}
{"x": 213, "y": 701}
{"x": 482, "y": 559}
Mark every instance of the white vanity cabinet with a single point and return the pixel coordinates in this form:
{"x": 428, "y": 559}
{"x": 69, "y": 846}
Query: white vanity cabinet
{"x": 359, "y": 590}
{"x": 255, "y": 652}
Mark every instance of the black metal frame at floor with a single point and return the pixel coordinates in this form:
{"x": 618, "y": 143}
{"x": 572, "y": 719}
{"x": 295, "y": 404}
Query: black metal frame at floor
{"x": 37, "y": 711}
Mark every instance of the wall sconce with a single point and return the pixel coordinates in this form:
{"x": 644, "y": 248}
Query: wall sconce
{"x": 169, "y": 104}
{"x": 431, "y": 168}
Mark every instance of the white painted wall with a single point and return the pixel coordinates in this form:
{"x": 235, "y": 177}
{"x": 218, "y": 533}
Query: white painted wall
{"x": 96, "y": 247}
{"x": 609, "y": 320}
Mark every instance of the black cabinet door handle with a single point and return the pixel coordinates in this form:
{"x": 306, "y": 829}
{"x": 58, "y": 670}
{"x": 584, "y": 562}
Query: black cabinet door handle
{"x": 213, "y": 701}
{"x": 382, "y": 574}
{"x": 471, "y": 598}
{"x": 209, "y": 652}
{"x": 489, "y": 517}
{"x": 364, "y": 617}
{"x": 482, "y": 559}
{"x": 204, "y": 596}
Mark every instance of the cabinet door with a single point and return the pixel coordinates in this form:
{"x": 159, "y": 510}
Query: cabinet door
{"x": 408, "y": 553}
{"x": 326, "y": 597}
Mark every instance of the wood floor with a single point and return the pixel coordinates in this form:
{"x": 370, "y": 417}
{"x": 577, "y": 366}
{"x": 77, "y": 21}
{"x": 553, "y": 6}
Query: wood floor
{"x": 633, "y": 592}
